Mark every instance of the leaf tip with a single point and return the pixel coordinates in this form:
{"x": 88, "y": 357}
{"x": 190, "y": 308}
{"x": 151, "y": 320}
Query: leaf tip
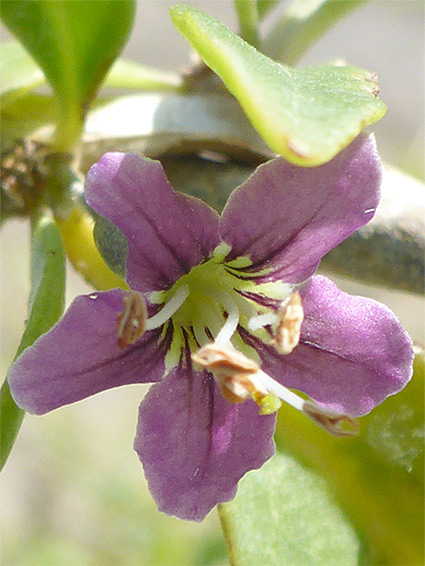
{"x": 178, "y": 11}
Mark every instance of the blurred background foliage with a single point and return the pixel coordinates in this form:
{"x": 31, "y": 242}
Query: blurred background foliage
{"x": 73, "y": 492}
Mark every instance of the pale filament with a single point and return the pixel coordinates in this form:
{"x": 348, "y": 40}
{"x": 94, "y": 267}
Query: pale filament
{"x": 257, "y": 322}
{"x": 200, "y": 334}
{"x": 169, "y": 308}
{"x": 280, "y": 391}
{"x": 232, "y": 321}
{"x": 328, "y": 419}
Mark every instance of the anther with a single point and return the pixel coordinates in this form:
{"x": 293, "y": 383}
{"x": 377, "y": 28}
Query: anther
{"x": 131, "y": 323}
{"x": 224, "y": 360}
{"x": 237, "y": 377}
{"x": 287, "y": 329}
{"x": 331, "y": 421}
{"x": 232, "y": 370}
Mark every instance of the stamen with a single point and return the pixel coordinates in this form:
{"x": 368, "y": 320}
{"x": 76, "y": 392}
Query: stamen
{"x": 169, "y": 308}
{"x": 282, "y": 392}
{"x": 213, "y": 357}
{"x": 257, "y": 322}
{"x": 131, "y": 323}
{"x": 232, "y": 370}
{"x": 288, "y": 329}
{"x": 232, "y": 321}
{"x": 240, "y": 378}
{"x": 200, "y": 334}
{"x": 331, "y": 421}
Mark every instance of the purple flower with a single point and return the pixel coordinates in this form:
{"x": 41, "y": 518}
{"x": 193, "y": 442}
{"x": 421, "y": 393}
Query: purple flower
{"x": 223, "y": 315}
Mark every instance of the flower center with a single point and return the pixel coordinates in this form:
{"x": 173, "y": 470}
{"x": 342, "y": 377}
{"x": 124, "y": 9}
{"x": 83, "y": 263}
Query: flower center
{"x": 209, "y": 303}
{"x": 205, "y": 308}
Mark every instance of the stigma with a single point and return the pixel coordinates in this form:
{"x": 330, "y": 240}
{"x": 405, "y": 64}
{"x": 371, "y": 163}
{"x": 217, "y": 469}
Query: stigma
{"x": 240, "y": 379}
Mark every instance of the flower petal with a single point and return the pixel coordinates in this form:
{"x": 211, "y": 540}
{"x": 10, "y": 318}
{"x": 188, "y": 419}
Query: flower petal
{"x": 287, "y": 217}
{"x": 195, "y": 445}
{"x": 79, "y": 357}
{"x": 168, "y": 233}
{"x": 352, "y": 355}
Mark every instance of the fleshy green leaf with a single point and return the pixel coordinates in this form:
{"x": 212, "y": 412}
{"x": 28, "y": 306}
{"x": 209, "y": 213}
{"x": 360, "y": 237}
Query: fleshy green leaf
{"x": 46, "y": 305}
{"x": 29, "y": 115}
{"x": 74, "y": 43}
{"x": 129, "y": 74}
{"x": 165, "y": 123}
{"x": 19, "y": 73}
{"x": 378, "y": 476}
{"x": 308, "y": 115}
{"x": 283, "y": 514}
{"x": 302, "y": 24}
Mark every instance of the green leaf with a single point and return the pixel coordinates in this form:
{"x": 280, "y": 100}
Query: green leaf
{"x": 19, "y": 73}
{"x": 308, "y": 115}
{"x": 378, "y": 476}
{"x": 28, "y": 115}
{"x": 248, "y": 21}
{"x": 303, "y": 23}
{"x": 74, "y": 43}
{"x": 46, "y": 305}
{"x": 283, "y": 514}
{"x": 129, "y": 74}
{"x": 178, "y": 123}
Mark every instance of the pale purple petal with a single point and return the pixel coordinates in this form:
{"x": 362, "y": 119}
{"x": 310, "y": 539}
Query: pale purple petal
{"x": 79, "y": 357}
{"x": 195, "y": 446}
{"x": 288, "y": 217}
{"x": 168, "y": 233}
{"x": 353, "y": 352}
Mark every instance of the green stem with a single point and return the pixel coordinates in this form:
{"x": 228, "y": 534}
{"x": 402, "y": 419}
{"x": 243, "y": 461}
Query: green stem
{"x": 228, "y": 536}
{"x": 303, "y": 23}
{"x": 69, "y": 130}
{"x": 248, "y": 21}
{"x": 11, "y": 418}
{"x": 46, "y": 304}
{"x": 265, "y": 6}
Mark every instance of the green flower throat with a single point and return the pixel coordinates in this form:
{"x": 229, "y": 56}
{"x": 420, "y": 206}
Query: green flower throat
{"x": 211, "y": 301}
